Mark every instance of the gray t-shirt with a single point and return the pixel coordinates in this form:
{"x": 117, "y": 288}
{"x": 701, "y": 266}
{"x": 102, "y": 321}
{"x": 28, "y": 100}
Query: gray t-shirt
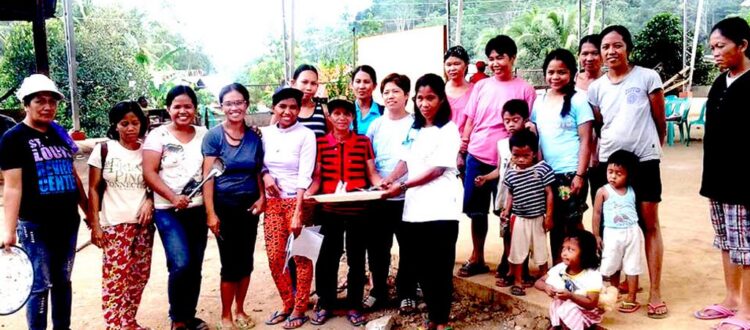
{"x": 626, "y": 114}
{"x": 239, "y": 182}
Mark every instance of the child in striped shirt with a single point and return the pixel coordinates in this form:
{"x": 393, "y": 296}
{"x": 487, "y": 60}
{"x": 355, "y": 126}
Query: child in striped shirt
{"x": 530, "y": 200}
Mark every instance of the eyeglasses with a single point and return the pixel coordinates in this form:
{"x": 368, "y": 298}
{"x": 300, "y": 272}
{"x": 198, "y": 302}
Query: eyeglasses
{"x": 229, "y": 104}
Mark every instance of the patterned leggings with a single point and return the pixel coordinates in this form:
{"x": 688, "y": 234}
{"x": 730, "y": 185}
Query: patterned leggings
{"x": 125, "y": 270}
{"x": 276, "y": 227}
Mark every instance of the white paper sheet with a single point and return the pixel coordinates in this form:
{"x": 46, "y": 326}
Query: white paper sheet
{"x": 307, "y": 245}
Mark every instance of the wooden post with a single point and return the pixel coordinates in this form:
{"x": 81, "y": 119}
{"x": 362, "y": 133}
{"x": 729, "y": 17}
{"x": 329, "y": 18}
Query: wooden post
{"x": 70, "y": 50}
{"x": 459, "y": 19}
{"x": 698, "y": 15}
{"x": 40, "y": 40}
{"x": 291, "y": 41}
{"x": 448, "y": 19}
{"x": 592, "y": 16}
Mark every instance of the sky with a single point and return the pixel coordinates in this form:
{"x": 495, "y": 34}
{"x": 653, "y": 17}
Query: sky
{"x": 233, "y": 32}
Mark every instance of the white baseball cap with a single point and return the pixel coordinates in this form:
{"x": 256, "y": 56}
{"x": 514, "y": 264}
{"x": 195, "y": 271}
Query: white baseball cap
{"x": 36, "y": 83}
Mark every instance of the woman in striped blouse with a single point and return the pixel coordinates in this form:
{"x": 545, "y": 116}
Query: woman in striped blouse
{"x": 312, "y": 114}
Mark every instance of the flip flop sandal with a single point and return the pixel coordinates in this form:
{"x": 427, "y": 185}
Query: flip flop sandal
{"x": 504, "y": 282}
{"x": 277, "y": 317}
{"x": 628, "y": 307}
{"x": 517, "y": 291}
{"x": 198, "y": 324}
{"x": 320, "y": 316}
{"x": 356, "y": 318}
{"x": 742, "y": 325}
{"x": 470, "y": 269}
{"x": 302, "y": 319}
{"x": 244, "y": 322}
{"x": 652, "y": 310}
{"x": 369, "y": 302}
{"x": 713, "y": 312}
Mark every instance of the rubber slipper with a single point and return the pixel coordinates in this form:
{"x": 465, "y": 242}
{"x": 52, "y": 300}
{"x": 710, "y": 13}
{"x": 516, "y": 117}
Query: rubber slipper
{"x": 713, "y": 312}
{"x": 740, "y": 324}
{"x": 320, "y": 317}
{"x": 277, "y": 317}
{"x": 504, "y": 282}
{"x": 652, "y": 310}
{"x": 517, "y": 291}
{"x": 470, "y": 269}
{"x": 628, "y": 307}
{"x": 356, "y": 318}
{"x": 302, "y": 319}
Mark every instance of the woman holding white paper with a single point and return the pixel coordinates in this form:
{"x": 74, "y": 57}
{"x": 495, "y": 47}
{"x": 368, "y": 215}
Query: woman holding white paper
{"x": 345, "y": 162}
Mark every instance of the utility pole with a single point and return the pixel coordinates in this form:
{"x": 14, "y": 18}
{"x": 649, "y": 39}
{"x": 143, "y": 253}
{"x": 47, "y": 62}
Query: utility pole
{"x": 70, "y": 50}
{"x": 287, "y": 75}
{"x": 291, "y": 41}
{"x": 580, "y": 14}
{"x": 592, "y": 16}
{"x": 459, "y": 19}
{"x": 354, "y": 47}
{"x": 684, "y": 33}
{"x": 698, "y": 15}
{"x": 603, "y": 15}
{"x": 448, "y": 20}
{"x": 40, "y": 39}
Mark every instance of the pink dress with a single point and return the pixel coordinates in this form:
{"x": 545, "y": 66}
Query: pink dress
{"x": 457, "y": 108}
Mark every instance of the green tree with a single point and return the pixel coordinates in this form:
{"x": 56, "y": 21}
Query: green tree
{"x": 107, "y": 69}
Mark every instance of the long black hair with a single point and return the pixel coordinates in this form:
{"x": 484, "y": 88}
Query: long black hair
{"x": 443, "y": 115}
{"x": 567, "y": 58}
{"x": 180, "y": 90}
{"x": 118, "y": 112}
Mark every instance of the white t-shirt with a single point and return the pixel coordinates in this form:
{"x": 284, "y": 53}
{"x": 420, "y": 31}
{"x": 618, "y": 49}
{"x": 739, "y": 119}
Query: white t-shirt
{"x": 181, "y": 163}
{"x": 626, "y": 114}
{"x": 289, "y": 156}
{"x": 126, "y": 189}
{"x": 441, "y": 198}
{"x": 389, "y": 137}
{"x": 585, "y": 282}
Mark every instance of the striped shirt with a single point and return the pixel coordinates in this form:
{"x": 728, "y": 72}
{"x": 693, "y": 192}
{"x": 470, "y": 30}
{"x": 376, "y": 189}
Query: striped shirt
{"x": 316, "y": 122}
{"x": 343, "y": 162}
{"x": 527, "y": 188}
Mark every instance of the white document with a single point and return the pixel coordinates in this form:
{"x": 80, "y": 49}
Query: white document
{"x": 307, "y": 244}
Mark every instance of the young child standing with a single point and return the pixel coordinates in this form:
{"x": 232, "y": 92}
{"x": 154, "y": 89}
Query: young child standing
{"x": 529, "y": 199}
{"x": 574, "y": 284}
{"x": 623, "y": 238}
{"x": 515, "y": 118}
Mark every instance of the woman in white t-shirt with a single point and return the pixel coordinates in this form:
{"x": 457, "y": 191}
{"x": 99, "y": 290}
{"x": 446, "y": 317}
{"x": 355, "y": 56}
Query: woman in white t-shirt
{"x": 433, "y": 197}
{"x": 120, "y": 211}
{"x": 172, "y": 167}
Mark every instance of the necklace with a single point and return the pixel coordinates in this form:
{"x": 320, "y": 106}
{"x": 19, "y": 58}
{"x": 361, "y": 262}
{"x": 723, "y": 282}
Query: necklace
{"x": 226, "y": 132}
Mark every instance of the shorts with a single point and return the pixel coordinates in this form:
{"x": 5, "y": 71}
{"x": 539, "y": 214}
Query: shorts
{"x": 621, "y": 250}
{"x": 477, "y": 200}
{"x": 527, "y": 234}
{"x": 730, "y": 222}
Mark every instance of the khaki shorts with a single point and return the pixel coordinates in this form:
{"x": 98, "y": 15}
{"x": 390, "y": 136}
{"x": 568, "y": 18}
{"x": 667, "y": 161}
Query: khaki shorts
{"x": 528, "y": 235}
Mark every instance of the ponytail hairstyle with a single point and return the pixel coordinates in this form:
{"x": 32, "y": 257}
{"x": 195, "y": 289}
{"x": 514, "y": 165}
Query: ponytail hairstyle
{"x": 567, "y": 58}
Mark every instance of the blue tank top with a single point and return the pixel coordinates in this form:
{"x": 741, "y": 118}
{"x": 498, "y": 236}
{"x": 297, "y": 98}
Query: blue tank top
{"x": 619, "y": 211}
{"x": 316, "y": 122}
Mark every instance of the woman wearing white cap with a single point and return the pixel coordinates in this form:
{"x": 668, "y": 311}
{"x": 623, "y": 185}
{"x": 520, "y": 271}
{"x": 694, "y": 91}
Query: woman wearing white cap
{"x": 36, "y": 157}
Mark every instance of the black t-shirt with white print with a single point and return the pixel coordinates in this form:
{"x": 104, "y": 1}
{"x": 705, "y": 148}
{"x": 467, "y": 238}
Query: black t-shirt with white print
{"x": 49, "y": 191}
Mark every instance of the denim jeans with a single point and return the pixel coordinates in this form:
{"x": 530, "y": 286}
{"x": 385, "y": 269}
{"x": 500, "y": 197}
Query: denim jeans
{"x": 51, "y": 248}
{"x": 183, "y": 234}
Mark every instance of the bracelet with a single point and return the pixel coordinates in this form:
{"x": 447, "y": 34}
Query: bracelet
{"x": 403, "y": 186}
{"x": 580, "y": 175}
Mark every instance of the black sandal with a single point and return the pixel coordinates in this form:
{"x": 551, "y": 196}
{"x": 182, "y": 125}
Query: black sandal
{"x": 470, "y": 269}
{"x": 517, "y": 291}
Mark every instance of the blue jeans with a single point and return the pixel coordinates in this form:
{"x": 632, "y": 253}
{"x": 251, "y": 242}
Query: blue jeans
{"x": 183, "y": 235}
{"x": 51, "y": 248}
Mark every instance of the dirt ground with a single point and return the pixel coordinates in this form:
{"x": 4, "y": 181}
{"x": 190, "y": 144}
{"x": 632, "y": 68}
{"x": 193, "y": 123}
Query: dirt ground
{"x": 692, "y": 271}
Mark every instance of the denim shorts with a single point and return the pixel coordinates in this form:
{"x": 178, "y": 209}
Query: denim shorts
{"x": 477, "y": 200}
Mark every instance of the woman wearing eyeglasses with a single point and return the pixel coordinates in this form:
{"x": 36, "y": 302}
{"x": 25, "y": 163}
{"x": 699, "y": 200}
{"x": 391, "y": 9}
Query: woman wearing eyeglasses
{"x": 233, "y": 200}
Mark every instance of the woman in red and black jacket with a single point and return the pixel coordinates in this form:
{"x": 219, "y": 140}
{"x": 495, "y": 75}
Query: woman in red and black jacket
{"x": 346, "y": 159}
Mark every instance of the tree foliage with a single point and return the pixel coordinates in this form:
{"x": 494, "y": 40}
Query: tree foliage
{"x": 109, "y": 52}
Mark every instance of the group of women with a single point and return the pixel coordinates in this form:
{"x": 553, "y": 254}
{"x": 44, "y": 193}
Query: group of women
{"x": 313, "y": 148}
